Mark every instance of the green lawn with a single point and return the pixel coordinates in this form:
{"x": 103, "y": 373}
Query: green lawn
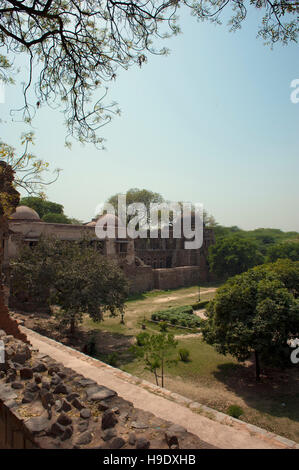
{"x": 142, "y": 306}
{"x": 210, "y": 378}
{"x": 220, "y": 381}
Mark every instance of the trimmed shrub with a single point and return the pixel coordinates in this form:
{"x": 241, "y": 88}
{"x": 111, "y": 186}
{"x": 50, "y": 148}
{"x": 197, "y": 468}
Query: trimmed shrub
{"x": 184, "y": 355}
{"x": 235, "y": 411}
{"x": 179, "y": 316}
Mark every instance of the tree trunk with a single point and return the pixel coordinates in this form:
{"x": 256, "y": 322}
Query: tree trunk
{"x": 156, "y": 377}
{"x": 257, "y": 367}
{"x": 72, "y": 326}
{"x": 162, "y": 372}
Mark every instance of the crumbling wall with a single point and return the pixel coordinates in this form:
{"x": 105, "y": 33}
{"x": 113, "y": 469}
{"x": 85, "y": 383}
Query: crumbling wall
{"x": 44, "y": 404}
{"x": 9, "y": 199}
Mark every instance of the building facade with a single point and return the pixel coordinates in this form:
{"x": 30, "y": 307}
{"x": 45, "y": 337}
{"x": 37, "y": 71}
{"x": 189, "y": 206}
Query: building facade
{"x": 149, "y": 263}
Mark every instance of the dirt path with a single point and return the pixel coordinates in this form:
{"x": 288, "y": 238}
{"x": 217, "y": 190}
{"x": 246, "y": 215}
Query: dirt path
{"x": 201, "y": 313}
{"x": 191, "y": 335}
{"x": 132, "y": 389}
{"x": 175, "y": 297}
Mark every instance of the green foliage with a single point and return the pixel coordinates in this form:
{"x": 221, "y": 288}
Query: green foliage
{"x": 264, "y": 238}
{"x": 155, "y": 351}
{"x": 112, "y": 359}
{"x": 256, "y": 311}
{"x": 184, "y": 355}
{"x": 233, "y": 255}
{"x": 135, "y": 195}
{"x": 288, "y": 250}
{"x": 163, "y": 326}
{"x": 49, "y": 211}
{"x": 53, "y": 218}
{"x": 235, "y": 411}
{"x": 76, "y": 276}
{"x": 180, "y": 316}
{"x": 42, "y": 206}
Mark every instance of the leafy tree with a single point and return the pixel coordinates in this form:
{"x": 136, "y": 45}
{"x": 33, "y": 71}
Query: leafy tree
{"x": 288, "y": 250}
{"x": 48, "y": 211}
{"x": 29, "y": 170}
{"x": 77, "y": 47}
{"x": 254, "y": 312}
{"x": 233, "y": 255}
{"x": 287, "y": 271}
{"x": 263, "y": 237}
{"x": 135, "y": 195}
{"x": 76, "y": 276}
{"x": 42, "y": 206}
{"x": 53, "y": 218}
{"x": 155, "y": 350}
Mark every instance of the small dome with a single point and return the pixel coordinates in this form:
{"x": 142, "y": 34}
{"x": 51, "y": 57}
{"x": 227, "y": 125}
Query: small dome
{"x": 25, "y": 213}
{"x": 91, "y": 224}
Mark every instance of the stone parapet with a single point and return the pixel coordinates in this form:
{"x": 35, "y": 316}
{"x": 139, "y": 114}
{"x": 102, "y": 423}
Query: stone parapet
{"x": 45, "y": 405}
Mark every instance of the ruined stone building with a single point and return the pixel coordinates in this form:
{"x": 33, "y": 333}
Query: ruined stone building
{"x": 149, "y": 263}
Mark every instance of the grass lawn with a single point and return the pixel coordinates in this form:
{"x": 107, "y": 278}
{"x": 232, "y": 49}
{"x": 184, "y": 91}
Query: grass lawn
{"x": 209, "y": 378}
{"x": 142, "y": 306}
{"x": 220, "y": 381}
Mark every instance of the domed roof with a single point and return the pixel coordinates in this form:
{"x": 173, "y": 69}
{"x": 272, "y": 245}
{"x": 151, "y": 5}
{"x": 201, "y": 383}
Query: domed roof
{"x": 25, "y": 213}
{"x": 91, "y": 224}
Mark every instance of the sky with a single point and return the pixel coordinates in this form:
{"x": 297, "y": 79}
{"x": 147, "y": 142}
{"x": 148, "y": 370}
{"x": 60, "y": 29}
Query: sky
{"x": 212, "y": 122}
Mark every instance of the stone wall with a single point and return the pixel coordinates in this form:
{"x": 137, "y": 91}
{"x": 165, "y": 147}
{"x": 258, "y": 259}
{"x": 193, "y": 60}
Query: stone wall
{"x": 174, "y": 278}
{"x": 44, "y": 404}
{"x": 9, "y": 199}
{"x": 13, "y": 435}
{"x": 145, "y": 278}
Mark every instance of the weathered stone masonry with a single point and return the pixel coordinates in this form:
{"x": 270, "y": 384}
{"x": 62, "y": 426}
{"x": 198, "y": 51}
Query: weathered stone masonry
{"x": 46, "y": 405}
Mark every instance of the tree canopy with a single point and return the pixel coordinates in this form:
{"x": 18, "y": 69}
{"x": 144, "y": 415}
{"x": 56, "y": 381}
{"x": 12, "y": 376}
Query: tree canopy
{"x": 288, "y": 250}
{"x": 135, "y": 195}
{"x": 233, "y": 255}
{"x": 73, "y": 276}
{"x": 74, "y": 48}
{"x": 48, "y": 211}
{"x": 258, "y": 312}
{"x": 42, "y": 206}
{"x": 155, "y": 350}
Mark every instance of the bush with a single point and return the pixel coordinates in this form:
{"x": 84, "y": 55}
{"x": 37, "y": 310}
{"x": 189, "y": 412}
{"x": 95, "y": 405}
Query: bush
{"x": 140, "y": 338}
{"x": 184, "y": 354}
{"x": 180, "y": 316}
{"x": 235, "y": 411}
{"x": 112, "y": 359}
{"x": 163, "y": 326}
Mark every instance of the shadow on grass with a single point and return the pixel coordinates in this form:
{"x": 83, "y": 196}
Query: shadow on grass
{"x": 277, "y": 394}
{"x": 109, "y": 347}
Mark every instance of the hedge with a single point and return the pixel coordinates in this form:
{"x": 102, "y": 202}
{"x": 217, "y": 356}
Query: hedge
{"x": 180, "y": 316}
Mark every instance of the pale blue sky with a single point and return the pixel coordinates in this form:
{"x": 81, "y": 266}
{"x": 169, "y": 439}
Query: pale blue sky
{"x": 211, "y": 123}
